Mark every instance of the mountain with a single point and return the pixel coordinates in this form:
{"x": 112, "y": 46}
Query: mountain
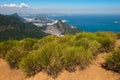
{"x": 15, "y": 27}
{"x": 61, "y": 28}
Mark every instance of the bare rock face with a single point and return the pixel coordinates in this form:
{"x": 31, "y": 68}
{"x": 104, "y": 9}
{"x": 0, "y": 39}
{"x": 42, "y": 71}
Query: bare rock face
{"x": 61, "y": 28}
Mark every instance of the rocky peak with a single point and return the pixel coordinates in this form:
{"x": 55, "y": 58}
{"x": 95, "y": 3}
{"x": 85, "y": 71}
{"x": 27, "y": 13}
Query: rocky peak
{"x": 60, "y": 22}
{"x": 61, "y": 28}
{"x": 15, "y": 15}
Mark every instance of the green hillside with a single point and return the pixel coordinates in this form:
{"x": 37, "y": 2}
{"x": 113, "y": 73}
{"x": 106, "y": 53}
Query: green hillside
{"x": 14, "y": 27}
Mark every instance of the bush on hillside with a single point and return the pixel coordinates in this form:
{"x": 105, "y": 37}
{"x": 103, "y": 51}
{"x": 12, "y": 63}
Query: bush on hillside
{"x": 112, "y": 61}
{"x": 118, "y": 35}
{"x": 30, "y": 65}
{"x": 74, "y": 56}
{"x": 44, "y": 41}
{"x": 46, "y": 58}
{"x": 53, "y": 57}
{"x": 27, "y": 44}
{"x": 53, "y": 54}
{"x": 67, "y": 39}
{"x": 107, "y": 40}
{"x": 88, "y": 35}
{"x": 13, "y": 57}
{"x": 6, "y": 46}
{"x": 87, "y": 43}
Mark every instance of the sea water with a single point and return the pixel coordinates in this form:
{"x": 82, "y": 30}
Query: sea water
{"x": 93, "y": 23}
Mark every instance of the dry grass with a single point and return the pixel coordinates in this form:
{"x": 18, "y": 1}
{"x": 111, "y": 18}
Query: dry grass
{"x": 9, "y": 74}
{"x": 117, "y": 44}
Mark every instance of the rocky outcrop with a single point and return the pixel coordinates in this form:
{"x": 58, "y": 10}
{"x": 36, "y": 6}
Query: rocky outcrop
{"x": 61, "y": 28}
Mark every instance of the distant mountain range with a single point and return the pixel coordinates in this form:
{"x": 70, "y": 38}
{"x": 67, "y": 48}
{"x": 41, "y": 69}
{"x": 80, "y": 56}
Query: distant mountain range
{"x": 15, "y": 27}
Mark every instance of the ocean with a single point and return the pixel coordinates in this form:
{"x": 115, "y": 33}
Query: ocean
{"x": 93, "y": 23}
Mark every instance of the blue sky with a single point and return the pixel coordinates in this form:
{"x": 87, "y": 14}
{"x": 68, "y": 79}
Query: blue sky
{"x": 66, "y": 3}
{"x": 90, "y": 5}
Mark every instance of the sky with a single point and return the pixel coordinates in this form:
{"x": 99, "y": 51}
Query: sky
{"x": 61, "y": 6}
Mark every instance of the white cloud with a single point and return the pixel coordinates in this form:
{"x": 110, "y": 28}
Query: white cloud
{"x": 21, "y": 5}
{"x": 9, "y": 5}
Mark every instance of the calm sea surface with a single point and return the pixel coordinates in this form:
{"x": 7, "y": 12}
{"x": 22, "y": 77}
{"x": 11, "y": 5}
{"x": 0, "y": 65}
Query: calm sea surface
{"x": 93, "y": 23}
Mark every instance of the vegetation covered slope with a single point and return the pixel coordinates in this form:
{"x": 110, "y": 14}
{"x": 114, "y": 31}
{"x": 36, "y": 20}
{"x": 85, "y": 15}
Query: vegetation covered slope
{"x": 14, "y": 27}
{"x": 53, "y": 54}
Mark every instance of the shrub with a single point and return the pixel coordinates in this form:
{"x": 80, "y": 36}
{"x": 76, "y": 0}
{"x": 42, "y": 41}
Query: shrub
{"x": 6, "y": 46}
{"x": 27, "y": 44}
{"x": 88, "y": 35}
{"x": 84, "y": 57}
{"x": 74, "y": 56}
{"x": 118, "y": 35}
{"x": 107, "y": 40}
{"x": 53, "y": 54}
{"x": 68, "y": 58}
{"x": 87, "y": 43}
{"x": 44, "y": 41}
{"x": 112, "y": 61}
{"x": 46, "y": 58}
{"x": 67, "y": 39}
{"x": 30, "y": 65}
{"x": 50, "y": 57}
{"x": 13, "y": 57}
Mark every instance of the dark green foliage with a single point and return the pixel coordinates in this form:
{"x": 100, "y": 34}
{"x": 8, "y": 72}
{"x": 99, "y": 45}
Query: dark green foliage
{"x": 112, "y": 61}
{"x": 14, "y": 27}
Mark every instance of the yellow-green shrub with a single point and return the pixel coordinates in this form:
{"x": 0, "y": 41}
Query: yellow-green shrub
{"x": 118, "y": 35}
{"x": 46, "y": 58}
{"x": 6, "y": 46}
{"x": 74, "y": 56}
{"x": 27, "y": 44}
{"x": 107, "y": 40}
{"x": 88, "y": 35}
{"x": 45, "y": 40}
{"x": 112, "y": 61}
{"x": 67, "y": 39}
{"x": 53, "y": 54}
{"x": 87, "y": 43}
{"x": 30, "y": 65}
{"x": 13, "y": 57}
